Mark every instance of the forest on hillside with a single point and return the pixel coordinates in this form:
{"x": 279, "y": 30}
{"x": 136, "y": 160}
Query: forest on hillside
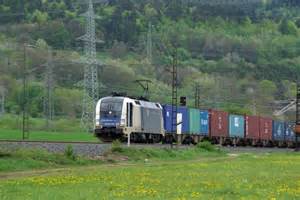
{"x": 244, "y": 55}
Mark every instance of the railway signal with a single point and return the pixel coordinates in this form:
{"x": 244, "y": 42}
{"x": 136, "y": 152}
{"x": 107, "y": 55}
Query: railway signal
{"x": 182, "y": 101}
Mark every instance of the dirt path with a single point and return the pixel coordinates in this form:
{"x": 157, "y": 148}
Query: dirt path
{"x": 73, "y": 169}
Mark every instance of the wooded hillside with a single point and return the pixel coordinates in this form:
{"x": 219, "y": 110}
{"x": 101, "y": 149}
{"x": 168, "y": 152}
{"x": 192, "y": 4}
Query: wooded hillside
{"x": 245, "y": 55}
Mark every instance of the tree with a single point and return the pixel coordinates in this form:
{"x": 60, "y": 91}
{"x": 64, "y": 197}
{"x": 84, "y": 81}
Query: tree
{"x": 39, "y": 17}
{"x": 288, "y": 27}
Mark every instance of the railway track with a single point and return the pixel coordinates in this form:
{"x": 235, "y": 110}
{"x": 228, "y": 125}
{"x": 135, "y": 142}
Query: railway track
{"x": 51, "y": 142}
{"x": 93, "y": 149}
{"x": 90, "y": 149}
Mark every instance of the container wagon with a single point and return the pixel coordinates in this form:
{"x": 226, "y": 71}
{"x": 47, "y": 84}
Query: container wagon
{"x": 290, "y": 136}
{"x": 236, "y": 128}
{"x": 204, "y": 123}
{"x": 278, "y": 133}
{"x": 265, "y": 133}
{"x": 218, "y": 126}
{"x": 194, "y": 119}
{"x": 252, "y": 130}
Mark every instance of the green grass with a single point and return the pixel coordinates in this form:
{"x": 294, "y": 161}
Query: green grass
{"x": 204, "y": 149}
{"x": 202, "y": 172}
{"x": 21, "y": 160}
{"x": 267, "y": 176}
{"x": 24, "y": 159}
{"x": 6, "y": 134}
{"x": 61, "y": 130}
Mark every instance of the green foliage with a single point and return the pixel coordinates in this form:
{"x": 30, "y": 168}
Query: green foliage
{"x": 69, "y": 152}
{"x": 246, "y": 45}
{"x": 29, "y": 159}
{"x": 116, "y": 146}
{"x": 39, "y": 17}
{"x": 140, "y": 154}
{"x": 207, "y": 146}
{"x": 288, "y": 27}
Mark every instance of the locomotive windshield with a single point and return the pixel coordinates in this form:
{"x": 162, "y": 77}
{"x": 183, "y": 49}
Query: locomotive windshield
{"x": 111, "y": 108}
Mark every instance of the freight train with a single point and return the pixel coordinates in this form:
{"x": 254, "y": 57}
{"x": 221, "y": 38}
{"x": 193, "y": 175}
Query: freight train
{"x": 118, "y": 117}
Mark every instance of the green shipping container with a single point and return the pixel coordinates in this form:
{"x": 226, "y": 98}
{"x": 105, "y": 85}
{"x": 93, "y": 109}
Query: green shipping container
{"x": 194, "y": 118}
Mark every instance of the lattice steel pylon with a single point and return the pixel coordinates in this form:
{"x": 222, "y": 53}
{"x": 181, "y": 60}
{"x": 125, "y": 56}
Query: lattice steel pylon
{"x": 48, "y": 89}
{"x": 90, "y": 83}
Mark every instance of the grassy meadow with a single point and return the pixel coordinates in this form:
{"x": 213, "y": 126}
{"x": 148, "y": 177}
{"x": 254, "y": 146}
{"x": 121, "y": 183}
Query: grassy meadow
{"x": 65, "y": 130}
{"x": 190, "y": 174}
{"x": 6, "y": 134}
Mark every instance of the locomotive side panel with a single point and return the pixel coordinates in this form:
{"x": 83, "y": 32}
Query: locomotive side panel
{"x": 151, "y": 120}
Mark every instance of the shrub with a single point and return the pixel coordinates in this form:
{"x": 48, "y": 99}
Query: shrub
{"x": 206, "y": 145}
{"x": 69, "y": 152}
{"x": 116, "y": 146}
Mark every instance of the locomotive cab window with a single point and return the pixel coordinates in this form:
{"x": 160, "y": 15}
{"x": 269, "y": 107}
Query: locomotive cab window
{"x": 111, "y": 108}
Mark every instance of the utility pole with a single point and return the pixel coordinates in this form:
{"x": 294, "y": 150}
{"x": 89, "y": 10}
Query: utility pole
{"x": 297, "y": 126}
{"x": 2, "y": 101}
{"x": 217, "y": 93}
{"x": 174, "y": 96}
{"x": 25, "y": 117}
{"x": 149, "y": 43}
{"x": 90, "y": 87}
{"x": 197, "y": 96}
{"x": 48, "y": 89}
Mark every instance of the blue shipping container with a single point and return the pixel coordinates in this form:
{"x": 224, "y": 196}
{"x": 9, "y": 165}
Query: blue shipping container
{"x": 204, "y": 122}
{"x": 236, "y": 126}
{"x": 182, "y": 116}
{"x": 278, "y": 131}
{"x": 289, "y": 132}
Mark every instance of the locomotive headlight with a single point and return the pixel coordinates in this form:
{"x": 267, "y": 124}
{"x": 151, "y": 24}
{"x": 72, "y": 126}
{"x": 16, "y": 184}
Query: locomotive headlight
{"x": 99, "y": 127}
{"x": 122, "y": 123}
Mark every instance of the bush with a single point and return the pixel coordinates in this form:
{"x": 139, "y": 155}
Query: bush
{"x": 116, "y": 146}
{"x": 69, "y": 152}
{"x": 207, "y": 146}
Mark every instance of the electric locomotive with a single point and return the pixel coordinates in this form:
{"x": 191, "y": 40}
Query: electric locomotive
{"x": 118, "y": 117}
